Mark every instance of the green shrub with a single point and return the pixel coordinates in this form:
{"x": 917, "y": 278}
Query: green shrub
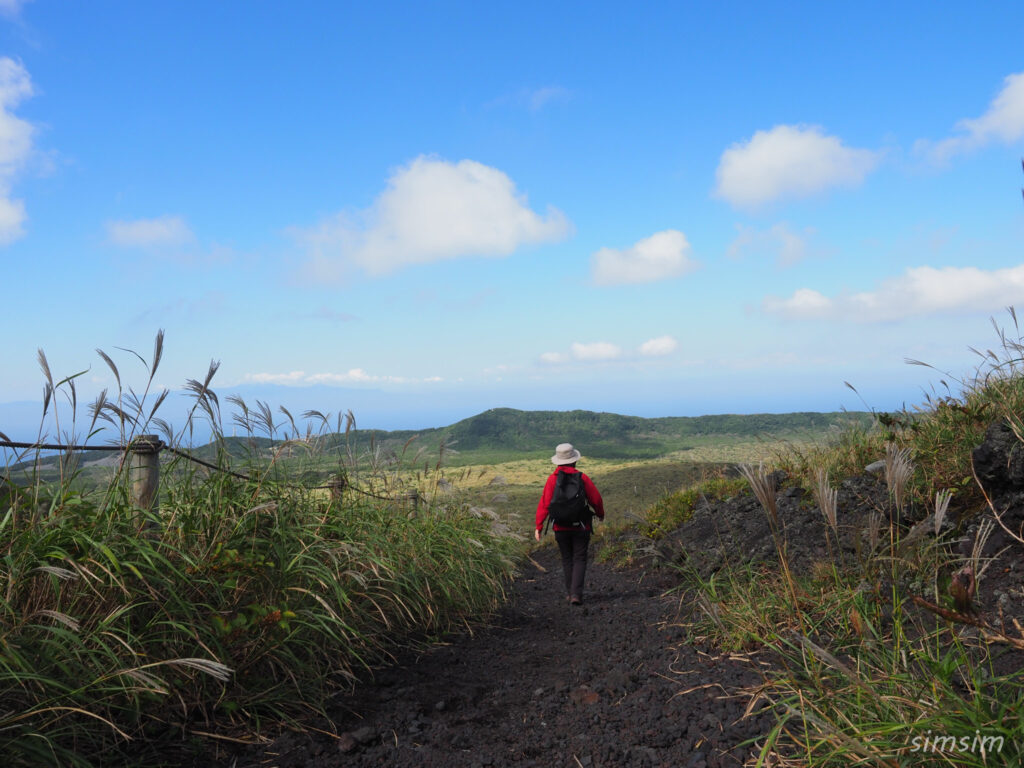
{"x": 845, "y": 453}
{"x": 674, "y": 509}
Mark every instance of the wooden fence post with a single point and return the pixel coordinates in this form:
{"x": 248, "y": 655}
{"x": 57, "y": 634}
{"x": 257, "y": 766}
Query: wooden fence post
{"x": 337, "y": 485}
{"x": 145, "y": 472}
{"x": 413, "y": 497}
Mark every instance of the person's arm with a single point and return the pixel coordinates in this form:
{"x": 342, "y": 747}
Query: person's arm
{"x": 542, "y": 505}
{"x": 594, "y": 497}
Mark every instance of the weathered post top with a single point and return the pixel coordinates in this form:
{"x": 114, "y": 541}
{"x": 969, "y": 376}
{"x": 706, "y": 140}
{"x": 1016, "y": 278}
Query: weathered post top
{"x": 146, "y": 444}
{"x": 145, "y": 471}
{"x": 337, "y": 485}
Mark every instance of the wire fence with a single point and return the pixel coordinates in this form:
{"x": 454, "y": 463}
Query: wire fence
{"x": 151, "y": 445}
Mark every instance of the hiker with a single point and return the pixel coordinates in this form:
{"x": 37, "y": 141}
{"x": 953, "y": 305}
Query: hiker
{"x": 575, "y": 504}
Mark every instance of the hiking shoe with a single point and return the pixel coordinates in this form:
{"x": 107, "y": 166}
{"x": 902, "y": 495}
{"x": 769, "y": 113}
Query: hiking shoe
{"x": 575, "y": 600}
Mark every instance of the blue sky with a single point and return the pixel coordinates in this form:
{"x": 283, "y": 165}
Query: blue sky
{"x": 423, "y": 210}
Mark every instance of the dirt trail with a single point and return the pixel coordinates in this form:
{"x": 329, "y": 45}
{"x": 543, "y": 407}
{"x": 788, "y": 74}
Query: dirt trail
{"x": 617, "y": 682}
{"x": 610, "y": 683}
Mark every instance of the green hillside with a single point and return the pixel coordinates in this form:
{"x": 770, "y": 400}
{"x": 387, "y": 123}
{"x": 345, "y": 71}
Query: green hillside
{"x": 503, "y": 434}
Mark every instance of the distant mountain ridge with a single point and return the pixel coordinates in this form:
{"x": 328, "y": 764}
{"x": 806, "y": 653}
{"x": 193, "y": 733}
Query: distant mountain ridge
{"x": 607, "y": 435}
{"x": 500, "y": 434}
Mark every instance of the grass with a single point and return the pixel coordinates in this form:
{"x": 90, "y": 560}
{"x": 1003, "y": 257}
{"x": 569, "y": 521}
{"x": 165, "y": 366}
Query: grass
{"x": 873, "y": 662}
{"x": 286, "y": 601}
{"x": 674, "y": 509}
{"x": 934, "y": 703}
{"x": 240, "y": 602}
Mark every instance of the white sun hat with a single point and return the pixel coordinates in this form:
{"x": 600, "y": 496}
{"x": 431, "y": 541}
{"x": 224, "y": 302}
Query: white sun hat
{"x": 565, "y": 454}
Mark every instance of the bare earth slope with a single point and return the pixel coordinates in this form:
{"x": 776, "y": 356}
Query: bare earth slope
{"x": 546, "y": 684}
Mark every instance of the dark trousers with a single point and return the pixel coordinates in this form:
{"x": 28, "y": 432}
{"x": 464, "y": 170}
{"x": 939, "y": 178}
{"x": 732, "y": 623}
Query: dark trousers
{"x": 573, "y": 545}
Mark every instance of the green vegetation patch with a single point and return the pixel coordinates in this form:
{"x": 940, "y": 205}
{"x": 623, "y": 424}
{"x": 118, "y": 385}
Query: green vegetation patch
{"x": 506, "y": 434}
{"x": 671, "y": 511}
{"x": 235, "y": 600}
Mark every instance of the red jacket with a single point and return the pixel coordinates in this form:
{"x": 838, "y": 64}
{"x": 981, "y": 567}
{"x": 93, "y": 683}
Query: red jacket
{"x": 593, "y": 496}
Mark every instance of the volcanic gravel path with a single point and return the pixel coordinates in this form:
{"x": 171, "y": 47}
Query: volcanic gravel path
{"x": 611, "y": 683}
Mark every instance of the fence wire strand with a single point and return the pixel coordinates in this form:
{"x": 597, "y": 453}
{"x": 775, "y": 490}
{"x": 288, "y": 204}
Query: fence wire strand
{"x": 183, "y": 454}
{"x": 56, "y": 447}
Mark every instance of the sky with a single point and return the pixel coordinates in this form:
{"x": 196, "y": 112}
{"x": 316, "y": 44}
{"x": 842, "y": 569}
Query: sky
{"x": 419, "y": 211}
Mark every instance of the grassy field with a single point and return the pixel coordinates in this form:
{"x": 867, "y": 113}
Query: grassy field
{"x": 512, "y": 489}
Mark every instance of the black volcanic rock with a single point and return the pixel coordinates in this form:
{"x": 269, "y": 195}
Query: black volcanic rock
{"x": 999, "y": 460}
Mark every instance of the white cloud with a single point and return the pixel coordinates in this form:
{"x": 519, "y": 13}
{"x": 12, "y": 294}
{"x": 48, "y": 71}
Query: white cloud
{"x": 604, "y": 351}
{"x": 15, "y": 85}
{"x": 553, "y": 358}
{"x": 661, "y": 256}
{"x": 161, "y": 232}
{"x": 532, "y": 99}
{"x": 598, "y": 350}
{"x": 351, "y": 376}
{"x": 295, "y": 377}
{"x": 541, "y": 96}
{"x": 431, "y": 210}
{"x": 12, "y": 216}
{"x": 804, "y": 303}
{"x": 918, "y": 291}
{"x": 659, "y": 347}
{"x": 1003, "y": 121}
{"x": 779, "y": 241}
{"x": 788, "y": 161}
{"x": 11, "y": 8}
{"x": 15, "y": 146}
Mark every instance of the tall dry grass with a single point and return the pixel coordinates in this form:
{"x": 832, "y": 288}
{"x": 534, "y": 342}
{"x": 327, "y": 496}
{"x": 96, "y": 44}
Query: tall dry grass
{"x": 245, "y": 600}
{"x": 887, "y": 662}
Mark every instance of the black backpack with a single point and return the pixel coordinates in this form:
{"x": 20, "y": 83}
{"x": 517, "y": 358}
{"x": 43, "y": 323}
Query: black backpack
{"x": 568, "y": 504}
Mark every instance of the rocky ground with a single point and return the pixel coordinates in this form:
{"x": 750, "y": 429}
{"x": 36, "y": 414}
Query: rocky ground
{"x": 731, "y": 532}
